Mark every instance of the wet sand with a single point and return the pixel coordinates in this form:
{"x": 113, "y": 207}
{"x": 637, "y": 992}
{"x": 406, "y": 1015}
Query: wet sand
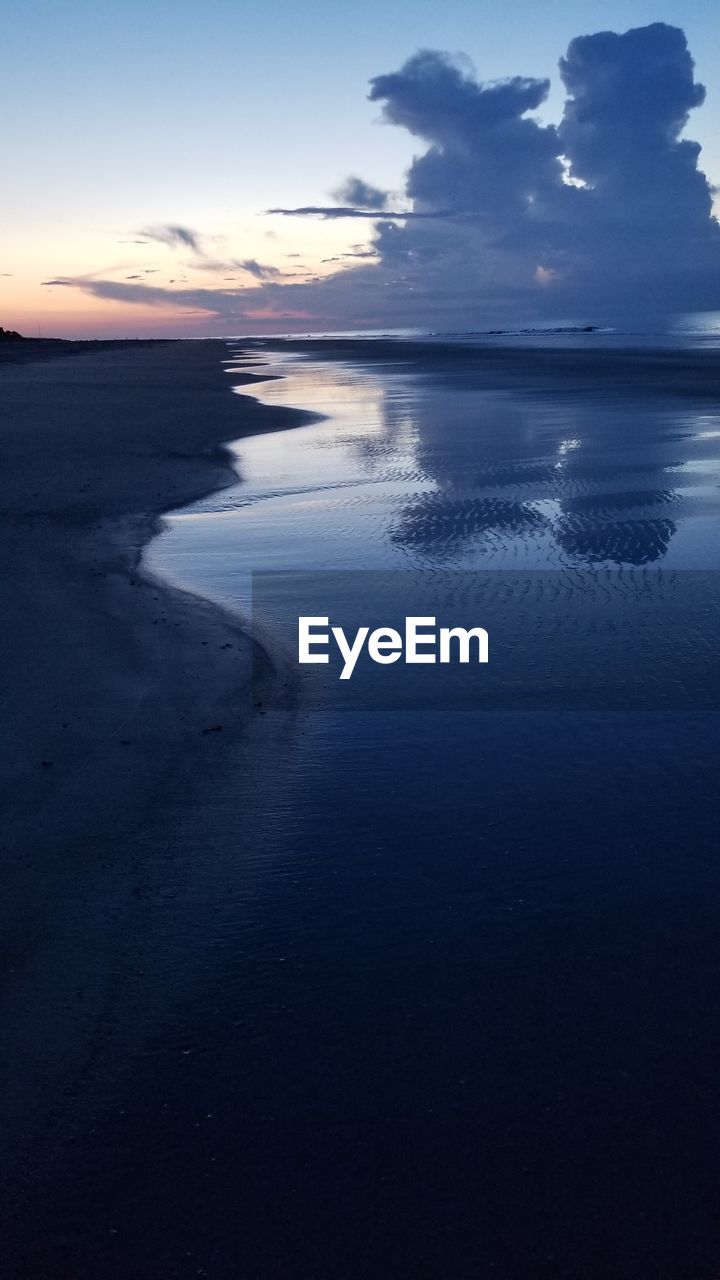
{"x": 120, "y": 695}
{"x": 471, "y": 1027}
{"x": 107, "y": 673}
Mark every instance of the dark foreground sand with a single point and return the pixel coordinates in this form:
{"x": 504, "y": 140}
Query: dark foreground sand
{"x": 107, "y": 676}
{"x": 113, "y": 686}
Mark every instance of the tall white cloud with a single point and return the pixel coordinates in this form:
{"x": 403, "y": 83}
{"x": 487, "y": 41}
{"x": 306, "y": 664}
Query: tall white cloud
{"x": 510, "y": 219}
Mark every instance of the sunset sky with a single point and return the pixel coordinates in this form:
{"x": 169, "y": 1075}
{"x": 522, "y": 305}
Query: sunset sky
{"x": 142, "y": 146}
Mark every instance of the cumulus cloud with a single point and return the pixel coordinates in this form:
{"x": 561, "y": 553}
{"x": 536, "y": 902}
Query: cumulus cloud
{"x": 484, "y": 153}
{"x": 505, "y": 219}
{"x": 354, "y": 191}
{"x": 607, "y": 211}
{"x": 647, "y": 207}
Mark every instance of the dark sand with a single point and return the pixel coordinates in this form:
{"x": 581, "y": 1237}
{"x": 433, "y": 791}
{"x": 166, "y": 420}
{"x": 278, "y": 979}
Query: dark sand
{"x": 113, "y": 688}
{"x": 107, "y": 675}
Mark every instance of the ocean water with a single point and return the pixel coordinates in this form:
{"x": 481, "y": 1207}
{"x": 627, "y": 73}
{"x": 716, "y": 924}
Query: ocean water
{"x": 475, "y": 977}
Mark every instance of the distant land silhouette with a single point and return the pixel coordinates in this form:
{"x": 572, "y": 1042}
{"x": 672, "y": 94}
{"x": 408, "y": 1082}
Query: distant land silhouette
{"x": 9, "y": 335}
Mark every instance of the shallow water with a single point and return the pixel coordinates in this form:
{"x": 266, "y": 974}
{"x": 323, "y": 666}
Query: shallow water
{"x": 409, "y": 471}
{"x": 476, "y": 984}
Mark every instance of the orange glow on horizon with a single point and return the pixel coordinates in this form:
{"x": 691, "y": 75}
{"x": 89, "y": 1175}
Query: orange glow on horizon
{"x": 41, "y": 251}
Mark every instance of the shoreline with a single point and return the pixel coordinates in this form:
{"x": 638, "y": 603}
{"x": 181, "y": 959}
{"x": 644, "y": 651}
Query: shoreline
{"x": 79, "y": 505}
{"x": 116, "y": 684}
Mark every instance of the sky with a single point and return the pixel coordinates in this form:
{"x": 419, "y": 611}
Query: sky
{"x": 149, "y": 140}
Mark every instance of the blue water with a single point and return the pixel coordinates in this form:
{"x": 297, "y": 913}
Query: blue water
{"x": 414, "y": 471}
{"x": 476, "y": 991}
